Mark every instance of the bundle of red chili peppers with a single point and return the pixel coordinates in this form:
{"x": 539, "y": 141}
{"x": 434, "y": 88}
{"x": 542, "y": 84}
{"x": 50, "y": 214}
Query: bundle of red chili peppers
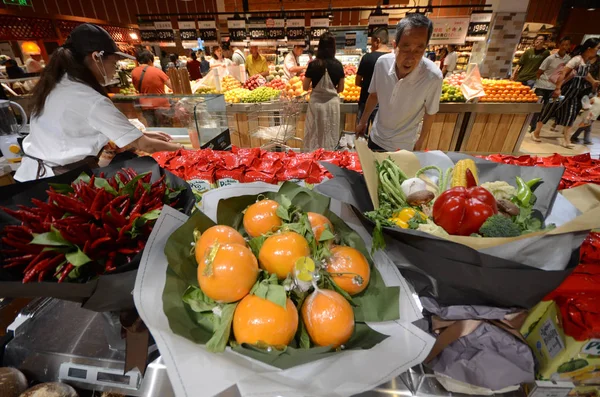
{"x": 87, "y": 228}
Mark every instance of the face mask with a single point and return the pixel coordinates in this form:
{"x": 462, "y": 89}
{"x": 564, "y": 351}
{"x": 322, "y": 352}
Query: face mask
{"x": 100, "y": 65}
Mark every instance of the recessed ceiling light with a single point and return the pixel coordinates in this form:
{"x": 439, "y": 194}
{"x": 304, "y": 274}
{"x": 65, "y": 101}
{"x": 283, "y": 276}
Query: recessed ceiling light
{"x": 591, "y": 9}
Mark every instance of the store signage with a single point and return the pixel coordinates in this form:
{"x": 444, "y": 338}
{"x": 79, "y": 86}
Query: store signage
{"x": 275, "y": 28}
{"x": 350, "y": 40}
{"x": 296, "y": 30}
{"x": 479, "y": 26}
{"x": 18, "y": 2}
{"x": 378, "y": 21}
{"x": 257, "y": 29}
{"x": 148, "y": 32}
{"x": 449, "y": 31}
{"x": 164, "y": 31}
{"x": 187, "y": 30}
{"x": 208, "y": 31}
{"x": 318, "y": 26}
{"x": 237, "y": 30}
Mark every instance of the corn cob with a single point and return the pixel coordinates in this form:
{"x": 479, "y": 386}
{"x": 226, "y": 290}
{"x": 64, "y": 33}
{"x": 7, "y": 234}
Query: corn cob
{"x": 460, "y": 175}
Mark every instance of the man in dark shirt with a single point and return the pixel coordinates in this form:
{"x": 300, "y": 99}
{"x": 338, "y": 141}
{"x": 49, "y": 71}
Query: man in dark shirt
{"x": 379, "y": 42}
{"x": 193, "y": 68}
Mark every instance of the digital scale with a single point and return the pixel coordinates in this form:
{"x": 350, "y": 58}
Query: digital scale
{"x": 54, "y": 340}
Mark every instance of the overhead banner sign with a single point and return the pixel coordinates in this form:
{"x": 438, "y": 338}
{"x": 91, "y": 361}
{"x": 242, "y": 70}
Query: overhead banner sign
{"x": 164, "y": 31}
{"x": 318, "y": 26}
{"x": 296, "y": 31}
{"x": 187, "y": 30}
{"x": 237, "y": 30}
{"x": 257, "y": 29}
{"x": 479, "y": 26}
{"x": 350, "y": 40}
{"x": 378, "y": 21}
{"x": 147, "y": 32}
{"x": 449, "y": 31}
{"x": 208, "y": 31}
{"x": 275, "y": 28}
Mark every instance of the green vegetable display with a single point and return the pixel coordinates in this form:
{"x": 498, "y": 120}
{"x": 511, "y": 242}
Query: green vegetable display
{"x": 499, "y": 226}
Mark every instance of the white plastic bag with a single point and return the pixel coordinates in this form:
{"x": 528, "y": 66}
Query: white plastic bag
{"x": 471, "y": 86}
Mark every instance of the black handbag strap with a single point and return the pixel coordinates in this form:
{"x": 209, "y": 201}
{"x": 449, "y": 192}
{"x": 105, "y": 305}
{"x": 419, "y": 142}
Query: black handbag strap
{"x": 139, "y": 88}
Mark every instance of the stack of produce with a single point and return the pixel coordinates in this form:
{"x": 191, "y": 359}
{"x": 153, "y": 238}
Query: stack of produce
{"x": 458, "y": 204}
{"x": 294, "y": 88}
{"x": 275, "y": 72}
{"x": 129, "y": 90}
{"x": 451, "y": 93}
{"x": 350, "y": 70}
{"x": 254, "y": 82}
{"x": 85, "y": 229}
{"x": 261, "y": 94}
{"x": 455, "y": 80}
{"x": 236, "y": 95}
{"x": 282, "y": 284}
{"x": 204, "y": 169}
{"x": 506, "y": 91}
{"x": 277, "y": 84}
{"x": 229, "y": 83}
{"x": 206, "y": 90}
{"x": 351, "y": 92}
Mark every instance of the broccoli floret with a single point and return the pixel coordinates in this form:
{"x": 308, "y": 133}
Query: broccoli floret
{"x": 499, "y": 226}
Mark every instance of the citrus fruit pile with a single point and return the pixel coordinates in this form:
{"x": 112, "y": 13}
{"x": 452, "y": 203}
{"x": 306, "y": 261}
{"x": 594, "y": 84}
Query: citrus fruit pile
{"x": 451, "y": 93}
{"x": 229, "y": 83}
{"x": 289, "y": 282}
{"x": 294, "y": 88}
{"x": 351, "y": 92}
{"x": 506, "y": 91}
{"x": 236, "y": 95}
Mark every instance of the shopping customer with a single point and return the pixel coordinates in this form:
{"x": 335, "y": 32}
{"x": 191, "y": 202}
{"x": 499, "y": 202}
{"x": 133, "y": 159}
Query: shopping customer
{"x": 149, "y": 80}
{"x": 218, "y": 60}
{"x": 450, "y": 60}
{"x": 325, "y": 75}
{"x": 570, "y": 84}
{"x": 237, "y": 56}
{"x": 379, "y": 47}
{"x": 193, "y": 67}
{"x": 204, "y": 65}
{"x": 256, "y": 63}
{"x": 291, "y": 64}
{"x": 407, "y": 87}
{"x": 530, "y": 62}
{"x": 72, "y": 118}
{"x": 548, "y": 73}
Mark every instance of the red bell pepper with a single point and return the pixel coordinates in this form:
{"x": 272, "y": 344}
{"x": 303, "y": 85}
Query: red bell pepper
{"x": 462, "y": 211}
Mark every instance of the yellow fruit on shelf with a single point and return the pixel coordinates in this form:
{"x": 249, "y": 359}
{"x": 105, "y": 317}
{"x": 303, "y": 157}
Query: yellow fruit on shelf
{"x": 351, "y": 92}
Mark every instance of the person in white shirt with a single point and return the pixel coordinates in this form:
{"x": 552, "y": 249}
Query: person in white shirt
{"x": 72, "y": 117}
{"x": 291, "y": 65}
{"x": 238, "y": 56}
{"x": 450, "y": 61}
{"x": 218, "y": 60}
{"x": 548, "y": 73}
{"x": 407, "y": 88}
{"x": 32, "y": 63}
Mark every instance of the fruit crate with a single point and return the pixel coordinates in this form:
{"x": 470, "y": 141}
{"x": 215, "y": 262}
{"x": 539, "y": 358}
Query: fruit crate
{"x": 274, "y": 123}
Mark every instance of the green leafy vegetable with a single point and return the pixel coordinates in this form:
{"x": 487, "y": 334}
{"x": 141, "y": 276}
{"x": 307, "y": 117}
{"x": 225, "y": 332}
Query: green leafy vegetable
{"x": 198, "y": 301}
{"x": 77, "y": 258}
{"x": 53, "y": 238}
{"x": 222, "y": 328}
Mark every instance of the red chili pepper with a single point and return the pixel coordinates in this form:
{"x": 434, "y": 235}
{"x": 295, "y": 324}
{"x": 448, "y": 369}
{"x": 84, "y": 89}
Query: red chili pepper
{"x": 120, "y": 220}
{"x": 65, "y": 272}
{"x": 137, "y": 209}
{"x": 110, "y": 230}
{"x": 109, "y": 265}
{"x": 114, "y": 202}
{"x": 125, "y": 207}
{"x": 98, "y": 242}
{"x": 23, "y": 216}
{"x": 462, "y": 211}
{"x": 127, "y": 251}
{"x": 97, "y": 204}
{"x": 26, "y": 248}
{"x": 18, "y": 260}
{"x": 35, "y": 260}
{"x": 43, "y": 265}
{"x": 158, "y": 183}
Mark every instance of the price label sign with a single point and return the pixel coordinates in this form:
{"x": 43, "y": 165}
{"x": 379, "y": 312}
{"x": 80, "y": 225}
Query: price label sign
{"x": 207, "y": 29}
{"x": 164, "y": 31}
{"x": 147, "y": 32}
{"x": 378, "y": 21}
{"x": 237, "y": 29}
{"x": 318, "y": 26}
{"x": 257, "y": 29}
{"x": 296, "y": 30}
{"x": 350, "y": 40}
{"x": 479, "y": 26}
{"x": 275, "y": 28}
{"x": 449, "y": 31}
{"x": 187, "y": 30}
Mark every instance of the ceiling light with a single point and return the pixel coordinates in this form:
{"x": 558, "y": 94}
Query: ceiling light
{"x": 591, "y": 9}
{"x": 133, "y": 36}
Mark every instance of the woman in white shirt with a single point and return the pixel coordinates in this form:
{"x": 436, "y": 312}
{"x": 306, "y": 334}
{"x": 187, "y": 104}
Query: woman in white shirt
{"x": 72, "y": 118}
{"x": 217, "y": 58}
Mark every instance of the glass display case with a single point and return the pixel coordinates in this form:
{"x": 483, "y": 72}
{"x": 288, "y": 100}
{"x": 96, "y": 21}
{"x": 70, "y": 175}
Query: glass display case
{"x": 197, "y": 121}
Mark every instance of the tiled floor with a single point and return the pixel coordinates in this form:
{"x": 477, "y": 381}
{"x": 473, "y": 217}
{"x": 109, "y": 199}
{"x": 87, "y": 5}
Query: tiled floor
{"x": 550, "y": 143}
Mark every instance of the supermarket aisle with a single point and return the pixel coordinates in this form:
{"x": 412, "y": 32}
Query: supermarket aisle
{"x": 550, "y": 143}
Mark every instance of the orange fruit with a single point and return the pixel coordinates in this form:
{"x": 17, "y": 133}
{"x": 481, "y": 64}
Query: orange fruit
{"x": 261, "y": 217}
{"x": 353, "y": 264}
{"x": 328, "y": 318}
{"x": 259, "y": 320}
{"x": 217, "y": 234}
{"x": 318, "y": 223}
{"x": 280, "y": 252}
{"x": 232, "y": 273}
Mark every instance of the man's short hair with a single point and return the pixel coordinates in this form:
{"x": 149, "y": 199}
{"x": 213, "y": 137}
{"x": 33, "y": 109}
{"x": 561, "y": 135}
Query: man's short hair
{"x": 542, "y": 36}
{"x": 566, "y": 38}
{"x": 414, "y": 21}
{"x": 382, "y": 35}
{"x": 144, "y": 57}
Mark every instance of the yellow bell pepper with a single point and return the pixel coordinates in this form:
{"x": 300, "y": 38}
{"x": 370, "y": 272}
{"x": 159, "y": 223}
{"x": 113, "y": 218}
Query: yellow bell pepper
{"x": 402, "y": 217}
